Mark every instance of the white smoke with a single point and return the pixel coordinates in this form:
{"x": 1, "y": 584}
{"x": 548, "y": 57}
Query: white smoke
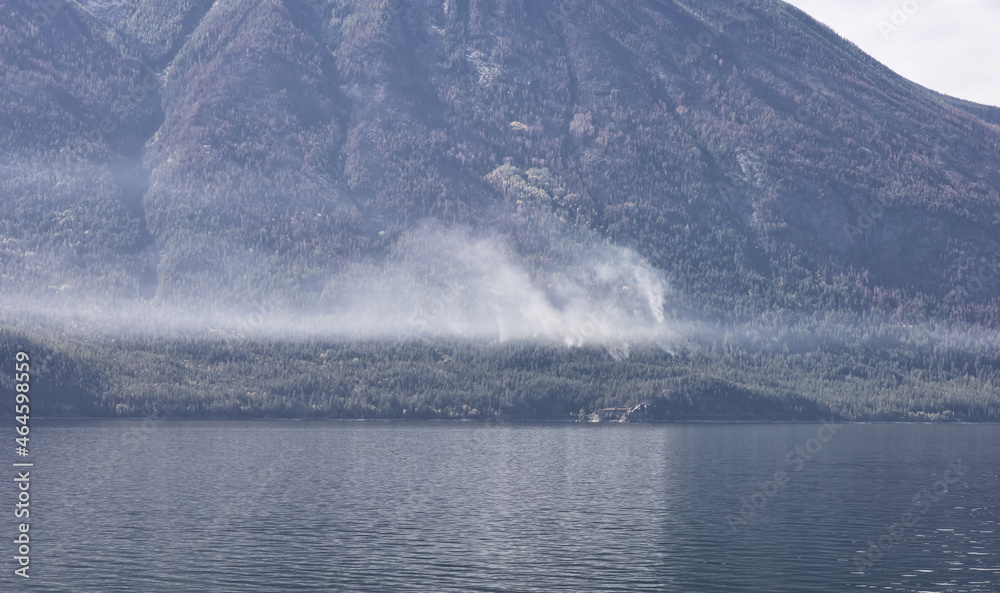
{"x": 437, "y": 282}
{"x": 447, "y": 282}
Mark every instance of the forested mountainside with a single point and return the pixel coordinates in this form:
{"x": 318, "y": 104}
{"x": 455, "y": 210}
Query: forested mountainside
{"x": 705, "y": 163}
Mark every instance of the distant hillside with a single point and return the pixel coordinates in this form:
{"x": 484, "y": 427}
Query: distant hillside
{"x": 226, "y": 154}
{"x": 744, "y": 149}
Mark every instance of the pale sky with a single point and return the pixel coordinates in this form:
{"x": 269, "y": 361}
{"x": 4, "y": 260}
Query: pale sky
{"x": 951, "y": 46}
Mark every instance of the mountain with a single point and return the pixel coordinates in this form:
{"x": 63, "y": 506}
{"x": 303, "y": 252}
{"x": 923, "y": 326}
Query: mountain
{"x": 677, "y": 165}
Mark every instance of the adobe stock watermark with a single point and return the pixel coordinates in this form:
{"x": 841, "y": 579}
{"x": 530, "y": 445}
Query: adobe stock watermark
{"x": 129, "y": 443}
{"x": 813, "y": 104}
{"x": 45, "y": 11}
{"x": 975, "y": 278}
{"x": 921, "y": 503}
{"x": 734, "y": 200}
{"x": 595, "y": 327}
{"x": 428, "y": 145}
{"x": 137, "y": 94}
{"x": 264, "y": 480}
{"x": 866, "y": 218}
{"x": 796, "y": 460}
{"x": 433, "y": 144}
{"x": 900, "y": 15}
{"x": 698, "y": 46}
{"x": 258, "y": 316}
{"x": 598, "y": 327}
{"x": 918, "y": 336}
{"x": 421, "y": 495}
{"x": 557, "y": 15}
{"x": 563, "y": 10}
{"x": 251, "y": 322}
{"x": 436, "y": 311}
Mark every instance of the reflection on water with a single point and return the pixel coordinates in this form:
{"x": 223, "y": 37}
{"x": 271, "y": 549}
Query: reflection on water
{"x": 216, "y": 506}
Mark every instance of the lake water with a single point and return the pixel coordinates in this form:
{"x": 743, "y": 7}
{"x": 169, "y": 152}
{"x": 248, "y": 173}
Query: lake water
{"x": 287, "y": 506}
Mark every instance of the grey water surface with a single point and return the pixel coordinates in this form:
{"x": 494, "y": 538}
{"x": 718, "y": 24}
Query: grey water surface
{"x": 299, "y": 506}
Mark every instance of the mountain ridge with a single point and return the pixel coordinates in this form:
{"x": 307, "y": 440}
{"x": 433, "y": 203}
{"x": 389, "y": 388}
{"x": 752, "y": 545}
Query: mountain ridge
{"x": 516, "y": 166}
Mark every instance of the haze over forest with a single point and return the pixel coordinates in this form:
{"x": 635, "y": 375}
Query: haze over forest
{"x": 488, "y": 210}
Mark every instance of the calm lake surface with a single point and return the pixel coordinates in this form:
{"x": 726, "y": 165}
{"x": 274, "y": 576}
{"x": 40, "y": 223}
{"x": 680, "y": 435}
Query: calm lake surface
{"x": 289, "y": 506}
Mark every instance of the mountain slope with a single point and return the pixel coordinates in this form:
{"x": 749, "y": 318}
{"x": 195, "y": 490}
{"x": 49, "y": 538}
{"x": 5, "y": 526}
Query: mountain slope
{"x": 731, "y": 156}
{"x": 76, "y": 110}
{"x": 505, "y": 169}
